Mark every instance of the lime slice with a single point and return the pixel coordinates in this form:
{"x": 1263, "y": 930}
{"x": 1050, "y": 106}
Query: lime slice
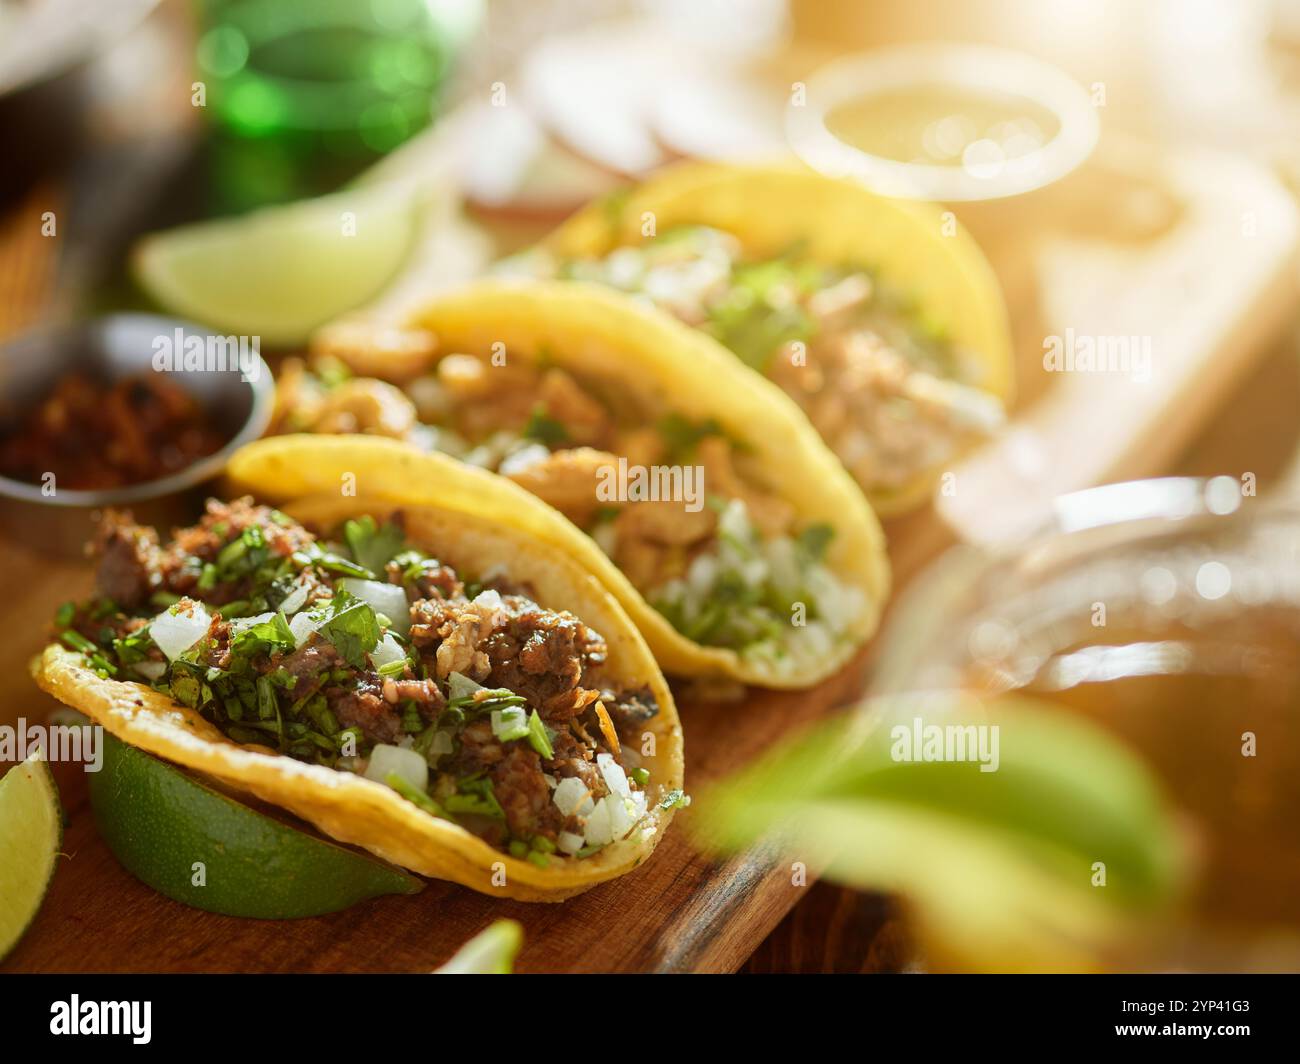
{"x": 490, "y": 952}
{"x": 199, "y": 847}
{"x": 280, "y": 272}
{"x": 31, "y": 829}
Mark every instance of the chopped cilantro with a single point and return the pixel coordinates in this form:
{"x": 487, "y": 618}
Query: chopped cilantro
{"x": 475, "y": 795}
{"x": 683, "y": 435}
{"x": 509, "y": 724}
{"x": 263, "y": 637}
{"x": 352, "y": 628}
{"x": 761, "y": 311}
{"x": 814, "y": 540}
{"x": 544, "y": 429}
{"x": 414, "y": 795}
{"x": 539, "y": 738}
{"x": 315, "y": 554}
{"x": 373, "y": 546}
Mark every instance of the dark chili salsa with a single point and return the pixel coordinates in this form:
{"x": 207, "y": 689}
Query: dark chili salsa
{"x": 93, "y": 436}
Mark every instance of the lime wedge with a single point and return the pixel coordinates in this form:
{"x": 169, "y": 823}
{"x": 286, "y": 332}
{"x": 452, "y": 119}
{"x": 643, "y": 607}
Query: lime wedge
{"x": 31, "y": 829}
{"x": 197, "y": 846}
{"x": 490, "y": 952}
{"x": 280, "y": 272}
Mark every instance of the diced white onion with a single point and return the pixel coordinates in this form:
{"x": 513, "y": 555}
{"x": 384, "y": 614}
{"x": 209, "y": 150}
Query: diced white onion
{"x": 615, "y": 777}
{"x": 571, "y": 795}
{"x": 597, "y": 830}
{"x": 551, "y": 781}
{"x": 386, "y": 651}
{"x": 303, "y": 624}
{"x": 388, "y": 599}
{"x": 620, "y": 821}
{"x": 702, "y": 574}
{"x": 489, "y": 606}
{"x": 406, "y": 763}
{"x": 150, "y": 670}
{"x": 506, "y": 722}
{"x": 176, "y": 632}
{"x": 569, "y": 843}
{"x": 240, "y": 623}
{"x": 296, "y": 599}
{"x": 528, "y": 455}
{"x": 461, "y": 686}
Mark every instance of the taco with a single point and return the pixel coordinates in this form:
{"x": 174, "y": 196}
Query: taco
{"x": 694, "y": 490}
{"x": 424, "y": 681}
{"x": 880, "y": 318}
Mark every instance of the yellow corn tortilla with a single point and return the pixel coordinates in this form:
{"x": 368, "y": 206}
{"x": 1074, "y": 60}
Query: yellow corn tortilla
{"x": 772, "y": 209}
{"x": 612, "y": 338}
{"x": 356, "y": 810}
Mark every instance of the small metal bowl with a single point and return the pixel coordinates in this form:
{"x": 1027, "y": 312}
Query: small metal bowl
{"x": 115, "y": 347}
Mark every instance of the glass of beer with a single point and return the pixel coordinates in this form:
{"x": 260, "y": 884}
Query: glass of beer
{"x": 1166, "y": 613}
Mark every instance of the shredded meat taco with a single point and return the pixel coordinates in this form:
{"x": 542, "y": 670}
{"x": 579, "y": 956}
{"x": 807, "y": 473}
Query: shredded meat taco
{"x": 881, "y": 320}
{"x": 437, "y": 688}
{"x": 697, "y": 491}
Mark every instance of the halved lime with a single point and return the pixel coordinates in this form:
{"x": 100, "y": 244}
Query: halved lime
{"x": 280, "y": 272}
{"x": 199, "y": 847}
{"x": 490, "y": 952}
{"x": 31, "y": 830}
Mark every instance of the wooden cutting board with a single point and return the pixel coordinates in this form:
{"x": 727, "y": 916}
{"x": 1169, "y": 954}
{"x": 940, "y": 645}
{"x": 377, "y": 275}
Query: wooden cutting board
{"x": 681, "y": 911}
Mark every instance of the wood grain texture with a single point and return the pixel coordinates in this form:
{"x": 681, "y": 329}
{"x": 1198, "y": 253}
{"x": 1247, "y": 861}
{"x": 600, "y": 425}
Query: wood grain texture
{"x": 837, "y": 931}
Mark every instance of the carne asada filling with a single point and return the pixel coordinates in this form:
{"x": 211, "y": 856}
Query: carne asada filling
{"x": 471, "y": 700}
{"x": 748, "y": 583}
{"x": 891, "y": 398}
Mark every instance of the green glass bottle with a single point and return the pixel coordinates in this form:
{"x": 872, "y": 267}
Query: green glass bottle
{"x": 303, "y": 94}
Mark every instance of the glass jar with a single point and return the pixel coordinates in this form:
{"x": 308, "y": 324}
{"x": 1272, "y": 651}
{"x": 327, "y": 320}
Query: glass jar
{"x": 1168, "y": 613}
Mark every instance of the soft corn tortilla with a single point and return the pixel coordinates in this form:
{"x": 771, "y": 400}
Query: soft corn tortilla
{"x": 610, "y": 337}
{"x": 356, "y": 810}
{"x": 773, "y": 209}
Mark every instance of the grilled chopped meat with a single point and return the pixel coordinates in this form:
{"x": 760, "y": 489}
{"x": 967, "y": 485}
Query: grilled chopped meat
{"x": 426, "y": 695}
{"x": 630, "y": 712}
{"x": 363, "y": 707}
{"x": 524, "y": 796}
{"x": 511, "y": 642}
{"x": 454, "y": 630}
{"x": 567, "y": 480}
{"x": 226, "y": 521}
{"x": 133, "y": 566}
{"x": 216, "y": 644}
{"x": 573, "y": 759}
{"x": 310, "y": 665}
{"x": 479, "y": 748}
{"x": 542, "y": 655}
{"x": 432, "y": 580}
{"x": 128, "y": 560}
